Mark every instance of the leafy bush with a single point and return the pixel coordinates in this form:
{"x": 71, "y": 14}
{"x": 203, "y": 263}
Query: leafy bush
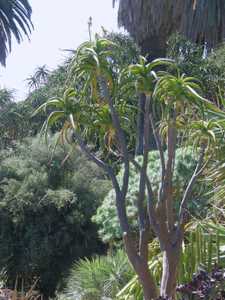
{"x": 106, "y": 216}
{"x": 99, "y": 277}
{"x": 45, "y": 211}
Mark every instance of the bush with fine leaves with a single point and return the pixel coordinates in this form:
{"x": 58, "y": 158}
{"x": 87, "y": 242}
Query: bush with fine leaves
{"x": 106, "y": 216}
{"x": 100, "y": 277}
{"x": 45, "y": 211}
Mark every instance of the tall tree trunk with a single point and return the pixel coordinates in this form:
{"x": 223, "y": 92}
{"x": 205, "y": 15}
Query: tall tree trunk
{"x": 171, "y": 256}
{"x": 145, "y": 279}
{"x": 140, "y": 265}
{"x": 148, "y": 285}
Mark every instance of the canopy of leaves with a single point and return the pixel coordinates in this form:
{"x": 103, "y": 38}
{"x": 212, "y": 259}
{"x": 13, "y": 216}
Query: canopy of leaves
{"x": 45, "y": 211}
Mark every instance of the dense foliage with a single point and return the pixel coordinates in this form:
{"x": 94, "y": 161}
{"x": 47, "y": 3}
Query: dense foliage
{"x": 45, "y": 211}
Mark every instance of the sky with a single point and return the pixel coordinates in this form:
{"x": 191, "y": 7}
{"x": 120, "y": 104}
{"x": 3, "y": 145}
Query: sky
{"x": 58, "y": 25}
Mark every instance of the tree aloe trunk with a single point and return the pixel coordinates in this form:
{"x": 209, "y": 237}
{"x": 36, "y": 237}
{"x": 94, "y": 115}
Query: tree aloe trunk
{"x": 145, "y": 279}
{"x": 171, "y": 257}
{"x": 139, "y": 262}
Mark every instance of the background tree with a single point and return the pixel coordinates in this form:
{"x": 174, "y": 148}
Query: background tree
{"x": 39, "y": 78}
{"x": 45, "y": 211}
{"x": 6, "y": 97}
{"x": 42, "y": 74}
{"x": 32, "y": 83}
{"x": 15, "y": 18}
{"x": 151, "y": 23}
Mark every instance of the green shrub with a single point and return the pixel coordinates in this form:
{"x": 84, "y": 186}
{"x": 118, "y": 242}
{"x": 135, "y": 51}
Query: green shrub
{"x": 99, "y": 277}
{"x": 45, "y": 211}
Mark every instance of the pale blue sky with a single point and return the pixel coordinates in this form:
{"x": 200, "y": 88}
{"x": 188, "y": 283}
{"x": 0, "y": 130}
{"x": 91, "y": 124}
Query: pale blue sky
{"x": 58, "y": 25}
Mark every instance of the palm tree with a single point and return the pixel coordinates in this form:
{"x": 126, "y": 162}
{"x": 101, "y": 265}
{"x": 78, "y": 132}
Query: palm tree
{"x": 15, "y": 21}
{"x": 32, "y": 82}
{"x": 6, "y": 97}
{"x": 39, "y": 78}
{"x": 42, "y": 74}
{"x": 152, "y": 22}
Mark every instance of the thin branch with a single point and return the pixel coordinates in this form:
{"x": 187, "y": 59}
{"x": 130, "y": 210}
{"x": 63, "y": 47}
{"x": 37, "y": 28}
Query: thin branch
{"x": 171, "y": 145}
{"x": 197, "y": 172}
{"x": 167, "y": 194}
{"x": 120, "y": 134}
{"x": 143, "y": 171}
{"x": 151, "y": 208}
{"x": 120, "y": 202}
{"x": 161, "y": 154}
{"x": 159, "y": 147}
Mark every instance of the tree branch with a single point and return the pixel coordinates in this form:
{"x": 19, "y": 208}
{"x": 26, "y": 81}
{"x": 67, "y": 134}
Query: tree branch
{"x": 197, "y": 172}
{"x": 143, "y": 170}
{"x": 151, "y": 208}
{"x": 161, "y": 155}
{"x": 120, "y": 201}
{"x": 120, "y": 134}
{"x": 167, "y": 194}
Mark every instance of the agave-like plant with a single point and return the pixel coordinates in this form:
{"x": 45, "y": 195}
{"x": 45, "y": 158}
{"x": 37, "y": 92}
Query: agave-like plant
{"x": 64, "y": 109}
{"x": 180, "y": 93}
{"x": 91, "y": 62}
{"x": 204, "y": 132}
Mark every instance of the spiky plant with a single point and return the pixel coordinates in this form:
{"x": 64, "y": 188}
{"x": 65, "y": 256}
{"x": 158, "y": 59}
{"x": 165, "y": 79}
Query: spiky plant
{"x": 100, "y": 277}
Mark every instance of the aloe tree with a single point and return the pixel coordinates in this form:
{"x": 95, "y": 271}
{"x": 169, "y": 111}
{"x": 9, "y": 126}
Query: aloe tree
{"x": 15, "y": 21}
{"x": 176, "y": 100}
